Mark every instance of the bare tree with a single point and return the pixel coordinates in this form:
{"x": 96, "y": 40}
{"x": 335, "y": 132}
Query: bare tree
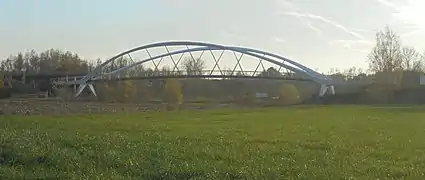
{"x": 422, "y": 61}
{"x": 226, "y": 71}
{"x": 193, "y": 66}
{"x": 411, "y": 60}
{"x": 333, "y": 71}
{"x": 271, "y": 72}
{"x": 350, "y": 73}
{"x": 7, "y": 65}
{"x": 386, "y": 55}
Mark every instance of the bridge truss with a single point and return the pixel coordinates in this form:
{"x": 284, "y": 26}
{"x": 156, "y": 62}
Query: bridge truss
{"x": 187, "y": 59}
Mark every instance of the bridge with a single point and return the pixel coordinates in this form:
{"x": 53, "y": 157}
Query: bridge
{"x": 132, "y": 64}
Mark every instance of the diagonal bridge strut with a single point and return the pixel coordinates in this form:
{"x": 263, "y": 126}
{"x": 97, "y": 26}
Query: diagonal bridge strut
{"x": 326, "y": 85}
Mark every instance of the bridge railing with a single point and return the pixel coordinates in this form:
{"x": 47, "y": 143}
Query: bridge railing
{"x": 192, "y": 73}
{"x": 208, "y": 74}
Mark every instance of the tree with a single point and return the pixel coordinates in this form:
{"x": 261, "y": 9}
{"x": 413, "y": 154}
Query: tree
{"x": 49, "y": 61}
{"x": 166, "y": 71}
{"x": 4, "y": 91}
{"x": 34, "y": 61}
{"x": 333, "y": 71}
{"x": 239, "y": 73}
{"x": 271, "y": 72}
{"x": 411, "y": 60}
{"x": 193, "y": 66}
{"x": 422, "y": 59}
{"x": 386, "y": 55}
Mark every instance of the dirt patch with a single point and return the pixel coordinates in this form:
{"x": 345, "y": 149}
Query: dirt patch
{"x": 40, "y": 106}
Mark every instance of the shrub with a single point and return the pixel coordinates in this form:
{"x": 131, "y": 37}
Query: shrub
{"x": 5, "y": 93}
{"x": 288, "y": 94}
{"x": 146, "y": 93}
{"x": 390, "y": 79}
{"x": 107, "y": 92}
{"x": 246, "y": 98}
{"x": 63, "y": 92}
{"x": 173, "y": 91}
{"x": 379, "y": 93}
{"x": 121, "y": 91}
{"x": 129, "y": 91}
{"x": 2, "y": 82}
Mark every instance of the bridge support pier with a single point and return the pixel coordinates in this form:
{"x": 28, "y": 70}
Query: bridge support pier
{"x": 83, "y": 86}
{"x": 324, "y": 89}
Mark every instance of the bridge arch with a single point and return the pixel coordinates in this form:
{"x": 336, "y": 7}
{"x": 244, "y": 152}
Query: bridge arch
{"x": 202, "y": 46}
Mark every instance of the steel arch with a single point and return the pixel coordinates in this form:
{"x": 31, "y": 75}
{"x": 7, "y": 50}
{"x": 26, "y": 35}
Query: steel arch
{"x": 317, "y": 79}
{"x": 297, "y": 67}
{"x": 210, "y": 46}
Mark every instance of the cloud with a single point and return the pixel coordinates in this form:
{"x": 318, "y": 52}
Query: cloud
{"x": 355, "y": 45}
{"x": 307, "y": 23}
{"x": 389, "y": 4}
{"x": 234, "y": 37}
{"x": 411, "y": 33}
{"x": 363, "y": 30}
{"x": 298, "y": 13}
{"x": 227, "y": 34}
{"x": 358, "y": 42}
{"x": 279, "y": 40}
{"x": 306, "y": 17}
{"x": 360, "y": 50}
{"x": 328, "y": 21}
{"x": 410, "y": 14}
{"x": 311, "y": 26}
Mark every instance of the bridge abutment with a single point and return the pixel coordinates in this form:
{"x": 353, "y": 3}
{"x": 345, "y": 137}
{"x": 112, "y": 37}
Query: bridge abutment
{"x": 83, "y": 86}
{"x": 326, "y": 89}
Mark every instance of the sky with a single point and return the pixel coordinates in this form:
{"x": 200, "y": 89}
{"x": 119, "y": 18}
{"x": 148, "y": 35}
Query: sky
{"x": 319, "y": 34}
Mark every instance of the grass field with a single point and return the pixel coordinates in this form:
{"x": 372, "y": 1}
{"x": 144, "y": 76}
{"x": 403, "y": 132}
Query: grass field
{"x": 347, "y": 142}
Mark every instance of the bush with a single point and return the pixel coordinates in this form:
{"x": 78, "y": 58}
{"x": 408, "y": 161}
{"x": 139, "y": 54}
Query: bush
{"x": 118, "y": 91}
{"x": 107, "y": 92}
{"x": 288, "y": 94}
{"x": 129, "y": 91}
{"x": 390, "y": 79}
{"x": 246, "y": 98}
{"x": 173, "y": 91}
{"x": 65, "y": 92}
{"x": 2, "y": 83}
{"x": 5, "y": 93}
{"x": 200, "y": 99}
{"x": 379, "y": 93}
{"x": 146, "y": 93}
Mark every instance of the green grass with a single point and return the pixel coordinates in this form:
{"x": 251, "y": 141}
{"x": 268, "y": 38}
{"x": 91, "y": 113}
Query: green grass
{"x": 347, "y": 142}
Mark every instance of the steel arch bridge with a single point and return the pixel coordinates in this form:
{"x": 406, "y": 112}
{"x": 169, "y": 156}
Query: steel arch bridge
{"x": 104, "y": 70}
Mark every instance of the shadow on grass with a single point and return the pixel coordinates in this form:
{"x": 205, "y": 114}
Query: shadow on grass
{"x": 157, "y": 163}
{"x": 194, "y": 175}
{"x": 10, "y": 157}
{"x": 395, "y": 108}
{"x": 315, "y": 146}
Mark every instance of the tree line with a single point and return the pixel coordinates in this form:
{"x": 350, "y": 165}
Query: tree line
{"x": 388, "y": 55}
{"x": 56, "y": 61}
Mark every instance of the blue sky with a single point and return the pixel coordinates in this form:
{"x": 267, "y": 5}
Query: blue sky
{"x": 329, "y": 34}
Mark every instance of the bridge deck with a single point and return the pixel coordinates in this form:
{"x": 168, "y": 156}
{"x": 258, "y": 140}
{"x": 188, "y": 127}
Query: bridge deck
{"x": 184, "y": 77}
